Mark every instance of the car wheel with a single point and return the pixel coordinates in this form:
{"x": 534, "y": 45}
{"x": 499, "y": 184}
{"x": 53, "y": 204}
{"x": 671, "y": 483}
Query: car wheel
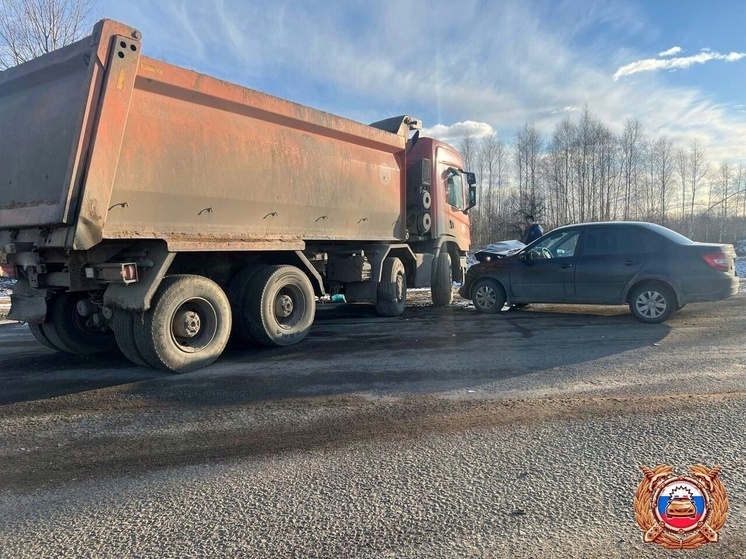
{"x": 652, "y": 303}
{"x": 488, "y": 296}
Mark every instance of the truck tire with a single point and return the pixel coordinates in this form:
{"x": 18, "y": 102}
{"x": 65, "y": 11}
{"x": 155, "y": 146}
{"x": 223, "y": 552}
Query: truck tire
{"x": 38, "y": 333}
{"x": 280, "y": 306}
{"x": 124, "y": 333}
{"x": 68, "y": 331}
{"x": 187, "y": 327}
{"x": 442, "y": 288}
{"x": 237, "y": 292}
{"x": 391, "y": 295}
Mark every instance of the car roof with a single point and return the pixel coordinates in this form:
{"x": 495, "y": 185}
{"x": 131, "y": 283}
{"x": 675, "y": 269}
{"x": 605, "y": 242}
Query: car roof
{"x": 664, "y": 231}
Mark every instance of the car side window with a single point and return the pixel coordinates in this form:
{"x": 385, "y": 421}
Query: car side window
{"x": 611, "y": 241}
{"x": 651, "y": 243}
{"x": 557, "y": 245}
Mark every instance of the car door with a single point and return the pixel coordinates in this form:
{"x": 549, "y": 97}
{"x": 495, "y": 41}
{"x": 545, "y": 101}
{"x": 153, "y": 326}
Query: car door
{"x": 609, "y": 258}
{"x": 546, "y": 269}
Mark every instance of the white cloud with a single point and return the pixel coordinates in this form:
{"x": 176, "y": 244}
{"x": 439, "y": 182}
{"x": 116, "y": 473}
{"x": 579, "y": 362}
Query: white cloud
{"x": 670, "y": 52}
{"x": 459, "y": 130}
{"x": 568, "y": 109}
{"x": 653, "y": 64}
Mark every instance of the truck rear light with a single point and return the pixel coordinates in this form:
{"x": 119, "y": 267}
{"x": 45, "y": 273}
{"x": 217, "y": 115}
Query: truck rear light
{"x": 129, "y": 273}
{"x": 8, "y": 272}
{"x": 718, "y": 260}
{"x": 113, "y": 273}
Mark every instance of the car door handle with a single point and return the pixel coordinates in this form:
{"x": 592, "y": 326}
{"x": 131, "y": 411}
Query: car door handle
{"x": 566, "y": 265}
{"x": 630, "y": 262}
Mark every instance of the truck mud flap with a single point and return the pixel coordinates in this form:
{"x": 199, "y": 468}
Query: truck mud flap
{"x": 26, "y": 304}
{"x": 137, "y": 296}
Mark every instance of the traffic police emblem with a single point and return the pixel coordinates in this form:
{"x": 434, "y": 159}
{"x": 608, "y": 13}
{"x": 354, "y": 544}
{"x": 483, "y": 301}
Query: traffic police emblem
{"x": 681, "y": 512}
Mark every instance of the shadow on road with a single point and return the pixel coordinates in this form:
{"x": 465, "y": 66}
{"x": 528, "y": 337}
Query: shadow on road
{"x": 349, "y": 349}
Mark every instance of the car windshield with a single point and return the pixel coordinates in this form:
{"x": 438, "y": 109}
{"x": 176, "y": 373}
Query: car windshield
{"x": 556, "y": 245}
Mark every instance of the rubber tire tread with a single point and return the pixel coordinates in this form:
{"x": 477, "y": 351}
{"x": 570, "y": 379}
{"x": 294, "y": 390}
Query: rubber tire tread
{"x": 262, "y": 286}
{"x": 668, "y": 294}
{"x": 237, "y": 291}
{"x": 124, "y": 332}
{"x": 37, "y": 330}
{"x": 499, "y": 290}
{"x": 151, "y": 329}
{"x": 386, "y": 302}
{"x": 65, "y": 336}
{"x": 442, "y": 288}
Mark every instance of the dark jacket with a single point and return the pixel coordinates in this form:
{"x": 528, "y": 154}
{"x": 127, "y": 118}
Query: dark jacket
{"x": 533, "y": 233}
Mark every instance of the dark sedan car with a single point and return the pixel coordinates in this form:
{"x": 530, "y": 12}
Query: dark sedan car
{"x": 653, "y": 269}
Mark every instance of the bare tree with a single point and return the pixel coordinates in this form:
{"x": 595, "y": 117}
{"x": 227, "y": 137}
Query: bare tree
{"x": 682, "y": 164}
{"x": 528, "y": 150}
{"x": 30, "y": 28}
{"x": 699, "y": 168}
{"x": 632, "y": 148}
{"x": 664, "y": 155}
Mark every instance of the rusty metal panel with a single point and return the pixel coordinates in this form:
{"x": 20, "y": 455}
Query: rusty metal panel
{"x": 47, "y": 112}
{"x": 122, "y": 56}
{"x": 205, "y": 163}
{"x": 43, "y": 105}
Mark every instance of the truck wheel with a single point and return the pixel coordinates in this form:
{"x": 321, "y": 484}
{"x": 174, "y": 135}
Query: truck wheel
{"x": 391, "y": 296}
{"x": 124, "y": 333}
{"x": 652, "y": 303}
{"x": 67, "y": 329}
{"x": 488, "y": 296}
{"x": 237, "y": 292}
{"x": 442, "y": 288}
{"x": 41, "y": 337}
{"x": 279, "y": 306}
{"x": 187, "y": 327}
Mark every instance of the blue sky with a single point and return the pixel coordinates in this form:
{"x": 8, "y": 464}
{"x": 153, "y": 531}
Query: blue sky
{"x": 474, "y": 66}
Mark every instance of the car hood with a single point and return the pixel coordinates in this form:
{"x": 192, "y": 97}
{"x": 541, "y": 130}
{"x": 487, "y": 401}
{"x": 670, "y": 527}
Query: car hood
{"x": 496, "y": 251}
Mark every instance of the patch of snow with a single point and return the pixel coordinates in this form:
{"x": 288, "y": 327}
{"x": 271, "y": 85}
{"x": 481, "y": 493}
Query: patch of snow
{"x": 741, "y": 267}
{"x": 6, "y": 286}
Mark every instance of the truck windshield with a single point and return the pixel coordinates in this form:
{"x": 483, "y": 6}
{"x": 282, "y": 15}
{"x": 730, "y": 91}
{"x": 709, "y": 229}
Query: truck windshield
{"x": 455, "y": 191}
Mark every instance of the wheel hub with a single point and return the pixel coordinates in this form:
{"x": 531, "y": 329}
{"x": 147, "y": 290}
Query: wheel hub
{"x": 284, "y": 306}
{"x": 187, "y": 324}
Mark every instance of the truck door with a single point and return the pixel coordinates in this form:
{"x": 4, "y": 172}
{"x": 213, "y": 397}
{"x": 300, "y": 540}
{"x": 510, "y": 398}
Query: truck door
{"x": 451, "y": 181}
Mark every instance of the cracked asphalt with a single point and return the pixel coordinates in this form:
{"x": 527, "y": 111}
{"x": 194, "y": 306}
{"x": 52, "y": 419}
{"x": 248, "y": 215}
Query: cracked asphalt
{"x": 442, "y": 433}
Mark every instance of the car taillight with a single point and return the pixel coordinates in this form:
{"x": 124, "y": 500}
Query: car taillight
{"x": 8, "y": 272}
{"x": 718, "y": 260}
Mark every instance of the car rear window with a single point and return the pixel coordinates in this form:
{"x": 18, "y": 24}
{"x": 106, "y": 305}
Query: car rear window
{"x": 670, "y": 235}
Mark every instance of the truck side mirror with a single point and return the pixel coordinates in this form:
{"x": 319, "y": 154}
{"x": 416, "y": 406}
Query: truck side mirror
{"x": 471, "y": 178}
{"x": 472, "y": 195}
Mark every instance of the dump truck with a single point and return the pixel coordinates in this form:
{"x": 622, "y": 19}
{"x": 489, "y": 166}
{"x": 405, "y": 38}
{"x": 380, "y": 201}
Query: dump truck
{"x": 151, "y": 208}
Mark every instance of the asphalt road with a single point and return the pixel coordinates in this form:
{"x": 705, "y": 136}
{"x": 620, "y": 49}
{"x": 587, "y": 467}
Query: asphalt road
{"x": 443, "y": 433}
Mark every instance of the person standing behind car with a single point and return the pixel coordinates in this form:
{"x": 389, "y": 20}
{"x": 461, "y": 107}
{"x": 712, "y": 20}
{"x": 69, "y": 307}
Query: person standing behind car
{"x": 533, "y": 230}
